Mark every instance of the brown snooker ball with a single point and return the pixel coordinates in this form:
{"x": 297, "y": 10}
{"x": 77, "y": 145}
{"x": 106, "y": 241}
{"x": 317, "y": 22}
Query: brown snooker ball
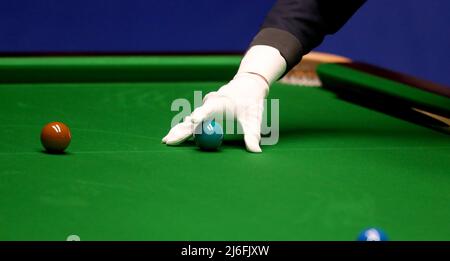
{"x": 55, "y": 137}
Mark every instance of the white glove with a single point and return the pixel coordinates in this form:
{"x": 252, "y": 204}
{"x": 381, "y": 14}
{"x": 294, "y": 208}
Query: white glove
{"x": 243, "y": 96}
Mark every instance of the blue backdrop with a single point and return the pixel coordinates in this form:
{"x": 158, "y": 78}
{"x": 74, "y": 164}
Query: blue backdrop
{"x": 411, "y": 36}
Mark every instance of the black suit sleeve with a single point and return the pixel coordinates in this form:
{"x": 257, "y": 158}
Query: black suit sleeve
{"x": 295, "y": 27}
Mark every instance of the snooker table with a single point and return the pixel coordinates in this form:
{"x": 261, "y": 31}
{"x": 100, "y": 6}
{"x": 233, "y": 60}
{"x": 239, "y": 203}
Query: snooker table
{"x": 338, "y": 168}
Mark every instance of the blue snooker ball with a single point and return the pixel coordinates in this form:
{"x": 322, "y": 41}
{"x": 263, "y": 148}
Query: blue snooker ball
{"x": 208, "y": 135}
{"x": 372, "y": 234}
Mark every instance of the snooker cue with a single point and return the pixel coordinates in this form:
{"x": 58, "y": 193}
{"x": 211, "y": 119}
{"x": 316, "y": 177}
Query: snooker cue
{"x": 304, "y": 74}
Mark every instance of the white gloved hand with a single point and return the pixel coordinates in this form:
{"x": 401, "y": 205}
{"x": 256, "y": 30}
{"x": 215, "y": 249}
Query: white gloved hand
{"x": 243, "y": 97}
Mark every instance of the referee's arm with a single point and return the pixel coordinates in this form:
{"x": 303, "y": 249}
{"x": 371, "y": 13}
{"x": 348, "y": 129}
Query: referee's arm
{"x": 295, "y": 27}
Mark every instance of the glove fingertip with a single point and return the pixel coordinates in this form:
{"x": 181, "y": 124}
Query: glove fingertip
{"x": 254, "y": 149}
{"x": 252, "y": 144}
